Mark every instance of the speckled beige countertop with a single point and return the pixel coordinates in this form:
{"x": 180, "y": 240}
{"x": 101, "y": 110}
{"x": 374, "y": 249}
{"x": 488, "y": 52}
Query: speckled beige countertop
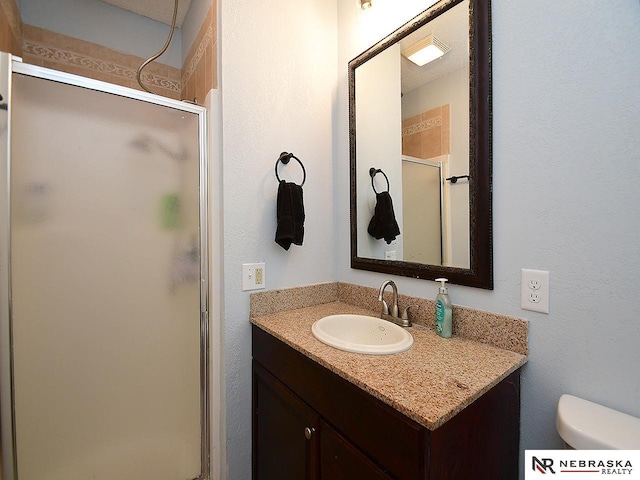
{"x": 429, "y": 383}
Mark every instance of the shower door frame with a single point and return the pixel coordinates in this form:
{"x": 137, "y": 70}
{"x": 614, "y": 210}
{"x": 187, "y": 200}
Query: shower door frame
{"x": 9, "y": 65}
{"x": 438, "y": 162}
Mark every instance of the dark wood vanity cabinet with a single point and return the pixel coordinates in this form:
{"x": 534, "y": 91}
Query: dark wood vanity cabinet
{"x": 285, "y": 429}
{"x": 309, "y": 423}
{"x": 291, "y": 441}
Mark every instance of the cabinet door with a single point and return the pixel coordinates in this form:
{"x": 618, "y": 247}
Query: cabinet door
{"x": 340, "y": 460}
{"x": 285, "y": 432}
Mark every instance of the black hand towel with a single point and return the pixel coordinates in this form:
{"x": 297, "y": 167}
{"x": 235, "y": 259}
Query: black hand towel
{"x": 290, "y": 215}
{"x": 383, "y": 223}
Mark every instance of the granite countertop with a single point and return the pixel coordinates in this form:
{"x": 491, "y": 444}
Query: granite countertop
{"x": 430, "y": 383}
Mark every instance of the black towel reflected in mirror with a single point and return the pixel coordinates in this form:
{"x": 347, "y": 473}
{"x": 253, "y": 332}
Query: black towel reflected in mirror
{"x": 383, "y": 223}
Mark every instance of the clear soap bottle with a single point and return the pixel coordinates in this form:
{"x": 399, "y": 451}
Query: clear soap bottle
{"x": 444, "y": 325}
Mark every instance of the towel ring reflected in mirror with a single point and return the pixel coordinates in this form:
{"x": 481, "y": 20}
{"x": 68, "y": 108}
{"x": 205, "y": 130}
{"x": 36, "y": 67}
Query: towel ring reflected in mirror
{"x": 285, "y": 158}
{"x": 373, "y": 172}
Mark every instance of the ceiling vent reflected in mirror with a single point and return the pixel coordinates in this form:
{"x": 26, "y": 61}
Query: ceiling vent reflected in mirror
{"x": 426, "y": 50}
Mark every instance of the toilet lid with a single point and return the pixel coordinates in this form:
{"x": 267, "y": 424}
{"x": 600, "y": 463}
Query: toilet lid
{"x": 586, "y": 425}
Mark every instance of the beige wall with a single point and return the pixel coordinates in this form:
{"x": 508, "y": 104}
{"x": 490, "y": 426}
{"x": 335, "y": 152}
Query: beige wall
{"x": 427, "y": 135}
{"x": 199, "y": 69}
{"x": 10, "y": 28}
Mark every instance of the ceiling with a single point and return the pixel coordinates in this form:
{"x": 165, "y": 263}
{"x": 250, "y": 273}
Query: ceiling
{"x": 160, "y": 10}
{"x": 452, "y": 28}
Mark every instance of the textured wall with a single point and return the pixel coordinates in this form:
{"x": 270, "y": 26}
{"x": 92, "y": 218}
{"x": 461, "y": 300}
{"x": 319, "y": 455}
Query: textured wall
{"x": 278, "y": 80}
{"x": 379, "y": 146}
{"x": 566, "y": 196}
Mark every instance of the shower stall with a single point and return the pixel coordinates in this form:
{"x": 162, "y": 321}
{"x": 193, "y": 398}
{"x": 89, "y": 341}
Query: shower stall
{"x": 104, "y": 281}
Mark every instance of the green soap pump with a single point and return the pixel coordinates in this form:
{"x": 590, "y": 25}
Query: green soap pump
{"x": 443, "y": 311}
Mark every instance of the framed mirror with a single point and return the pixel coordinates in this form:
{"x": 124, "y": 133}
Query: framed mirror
{"x": 420, "y": 148}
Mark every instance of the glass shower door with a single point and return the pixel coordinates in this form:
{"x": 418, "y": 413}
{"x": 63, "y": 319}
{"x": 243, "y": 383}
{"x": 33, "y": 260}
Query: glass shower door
{"x": 106, "y": 285}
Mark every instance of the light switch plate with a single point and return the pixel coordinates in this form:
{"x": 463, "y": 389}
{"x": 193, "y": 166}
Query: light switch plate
{"x": 253, "y": 276}
{"x": 534, "y": 290}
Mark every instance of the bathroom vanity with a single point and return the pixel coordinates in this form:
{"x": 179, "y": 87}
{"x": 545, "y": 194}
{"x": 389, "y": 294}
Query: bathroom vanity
{"x": 322, "y": 413}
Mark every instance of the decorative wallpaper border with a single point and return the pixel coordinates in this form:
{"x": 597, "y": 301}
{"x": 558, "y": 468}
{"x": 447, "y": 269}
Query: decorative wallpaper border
{"x": 67, "y": 57}
{"x": 61, "y": 52}
{"x": 199, "y": 67}
{"x": 422, "y": 126}
{"x": 198, "y": 54}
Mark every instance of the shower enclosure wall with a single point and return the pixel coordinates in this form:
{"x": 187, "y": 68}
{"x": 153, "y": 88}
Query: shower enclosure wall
{"x": 103, "y": 281}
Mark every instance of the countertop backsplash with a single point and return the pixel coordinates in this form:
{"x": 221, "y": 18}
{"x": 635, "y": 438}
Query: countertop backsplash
{"x": 502, "y": 331}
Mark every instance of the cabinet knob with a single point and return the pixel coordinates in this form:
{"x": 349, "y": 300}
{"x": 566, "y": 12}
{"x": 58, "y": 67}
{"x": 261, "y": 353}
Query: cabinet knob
{"x": 308, "y": 432}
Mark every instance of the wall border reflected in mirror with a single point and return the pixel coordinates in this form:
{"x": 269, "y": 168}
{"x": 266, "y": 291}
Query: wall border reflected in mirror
{"x": 480, "y": 269}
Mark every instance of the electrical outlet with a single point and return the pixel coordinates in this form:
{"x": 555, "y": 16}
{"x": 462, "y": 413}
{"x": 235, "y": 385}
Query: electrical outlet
{"x": 534, "y": 284}
{"x": 390, "y": 255}
{"x": 534, "y": 290}
{"x": 253, "y": 276}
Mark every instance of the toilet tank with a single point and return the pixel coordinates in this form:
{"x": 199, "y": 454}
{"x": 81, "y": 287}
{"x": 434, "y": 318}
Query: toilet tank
{"x": 585, "y": 425}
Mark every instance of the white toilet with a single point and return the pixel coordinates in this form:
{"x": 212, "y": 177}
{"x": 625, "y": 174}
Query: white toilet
{"x": 585, "y": 425}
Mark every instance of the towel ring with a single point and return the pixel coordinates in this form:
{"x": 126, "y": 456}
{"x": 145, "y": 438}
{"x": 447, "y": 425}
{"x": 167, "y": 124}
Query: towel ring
{"x": 284, "y": 158}
{"x": 373, "y": 172}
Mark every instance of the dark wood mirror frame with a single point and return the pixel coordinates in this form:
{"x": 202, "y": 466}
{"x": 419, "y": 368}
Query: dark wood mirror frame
{"x": 480, "y": 273}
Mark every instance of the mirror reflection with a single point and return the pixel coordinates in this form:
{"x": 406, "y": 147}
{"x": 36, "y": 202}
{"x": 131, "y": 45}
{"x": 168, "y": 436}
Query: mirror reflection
{"x": 412, "y": 125}
{"x": 420, "y": 119}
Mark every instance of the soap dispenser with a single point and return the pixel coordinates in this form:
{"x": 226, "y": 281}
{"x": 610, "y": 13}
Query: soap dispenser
{"x": 443, "y": 311}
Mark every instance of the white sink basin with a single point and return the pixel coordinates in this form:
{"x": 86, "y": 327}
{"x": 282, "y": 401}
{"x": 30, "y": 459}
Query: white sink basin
{"x": 362, "y": 334}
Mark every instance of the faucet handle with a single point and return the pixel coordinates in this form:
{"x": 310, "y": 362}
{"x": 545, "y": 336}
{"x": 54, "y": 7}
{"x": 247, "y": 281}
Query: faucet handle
{"x": 405, "y": 312}
{"x": 385, "y": 308}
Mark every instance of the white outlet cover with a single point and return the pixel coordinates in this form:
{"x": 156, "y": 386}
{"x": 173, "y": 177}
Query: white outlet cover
{"x": 390, "y": 255}
{"x": 539, "y": 278}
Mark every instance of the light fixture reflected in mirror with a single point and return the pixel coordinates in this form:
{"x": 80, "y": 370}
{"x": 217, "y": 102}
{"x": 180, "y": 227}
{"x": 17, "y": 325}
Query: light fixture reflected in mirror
{"x": 365, "y": 4}
{"x": 425, "y": 51}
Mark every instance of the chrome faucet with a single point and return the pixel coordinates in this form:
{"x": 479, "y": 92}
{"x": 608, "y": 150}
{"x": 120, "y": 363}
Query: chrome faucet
{"x": 391, "y": 313}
